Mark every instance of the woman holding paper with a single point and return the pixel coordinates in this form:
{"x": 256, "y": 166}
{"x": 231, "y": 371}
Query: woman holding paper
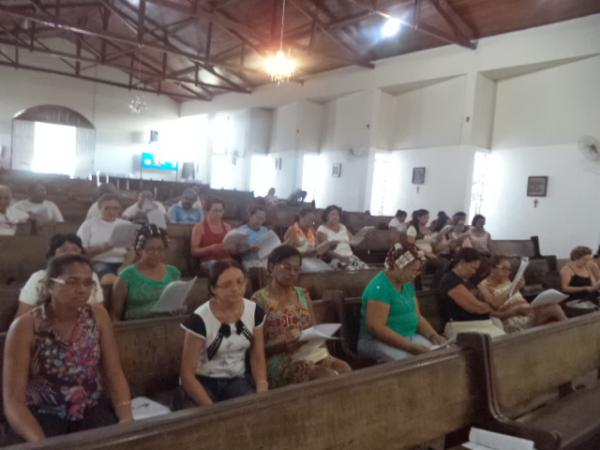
{"x": 254, "y": 232}
{"x": 514, "y": 311}
{"x": 333, "y": 230}
{"x": 218, "y": 335}
{"x": 95, "y": 234}
{"x": 138, "y": 287}
{"x": 207, "y": 236}
{"x": 391, "y": 325}
{"x": 466, "y": 313}
{"x": 289, "y": 312}
{"x": 303, "y": 236}
{"x": 59, "y": 358}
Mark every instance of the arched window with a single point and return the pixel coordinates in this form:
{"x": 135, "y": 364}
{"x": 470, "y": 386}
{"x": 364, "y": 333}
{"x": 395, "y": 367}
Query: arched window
{"x": 53, "y": 139}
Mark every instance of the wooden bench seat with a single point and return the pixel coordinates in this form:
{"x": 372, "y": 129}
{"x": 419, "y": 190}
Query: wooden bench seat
{"x": 527, "y": 379}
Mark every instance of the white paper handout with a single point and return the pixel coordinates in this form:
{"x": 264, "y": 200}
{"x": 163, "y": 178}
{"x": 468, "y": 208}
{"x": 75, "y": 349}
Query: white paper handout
{"x": 320, "y": 332}
{"x": 123, "y": 234}
{"x": 266, "y": 244}
{"x": 235, "y": 239}
{"x": 173, "y": 296}
{"x": 549, "y": 297}
{"x": 360, "y": 236}
{"x": 156, "y": 217}
{"x": 518, "y": 276}
{"x": 488, "y": 440}
{"x": 143, "y": 408}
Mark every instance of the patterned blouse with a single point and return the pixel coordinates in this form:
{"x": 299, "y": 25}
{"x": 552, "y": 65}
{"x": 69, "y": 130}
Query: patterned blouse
{"x": 64, "y": 377}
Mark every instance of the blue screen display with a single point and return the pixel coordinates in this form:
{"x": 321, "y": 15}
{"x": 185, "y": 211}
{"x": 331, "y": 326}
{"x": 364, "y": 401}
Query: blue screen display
{"x": 151, "y": 161}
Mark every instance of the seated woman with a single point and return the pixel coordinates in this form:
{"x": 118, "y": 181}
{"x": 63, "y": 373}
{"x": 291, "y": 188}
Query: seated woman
{"x": 34, "y": 290}
{"x": 335, "y": 232}
{"x": 217, "y": 337}
{"x": 391, "y": 325}
{"x": 466, "y": 313}
{"x": 138, "y": 287}
{"x": 453, "y": 236}
{"x": 303, "y": 237}
{"x": 254, "y": 230}
{"x": 514, "y": 311}
{"x": 289, "y": 311}
{"x": 95, "y": 234}
{"x": 576, "y": 278}
{"x": 207, "y": 236}
{"x": 398, "y": 222}
{"x": 479, "y": 238}
{"x": 419, "y": 234}
{"x": 60, "y": 356}
{"x": 9, "y": 216}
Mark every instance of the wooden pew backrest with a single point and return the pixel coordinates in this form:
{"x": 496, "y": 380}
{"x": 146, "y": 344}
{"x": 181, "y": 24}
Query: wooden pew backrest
{"x": 21, "y": 256}
{"x": 398, "y": 405}
{"x": 352, "y": 283}
{"x": 529, "y": 366}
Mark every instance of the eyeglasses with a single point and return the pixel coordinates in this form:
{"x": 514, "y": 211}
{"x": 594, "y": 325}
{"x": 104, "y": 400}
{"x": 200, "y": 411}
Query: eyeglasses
{"x": 231, "y": 284}
{"x": 72, "y": 283}
{"x": 290, "y": 268}
{"x": 155, "y": 250}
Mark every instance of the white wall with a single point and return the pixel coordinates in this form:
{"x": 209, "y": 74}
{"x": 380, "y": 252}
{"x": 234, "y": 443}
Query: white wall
{"x": 567, "y": 217}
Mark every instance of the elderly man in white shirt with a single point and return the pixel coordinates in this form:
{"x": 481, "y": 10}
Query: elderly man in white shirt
{"x": 37, "y": 207}
{"x": 9, "y": 216}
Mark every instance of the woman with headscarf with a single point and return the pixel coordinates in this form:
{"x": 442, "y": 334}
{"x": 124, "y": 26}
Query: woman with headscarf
{"x": 391, "y": 326}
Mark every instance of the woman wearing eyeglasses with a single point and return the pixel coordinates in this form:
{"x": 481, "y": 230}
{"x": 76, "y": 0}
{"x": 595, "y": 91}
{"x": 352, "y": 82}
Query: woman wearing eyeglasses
{"x": 289, "y": 311}
{"x": 514, "y": 311}
{"x": 217, "y": 337}
{"x": 32, "y": 293}
{"x": 138, "y": 287}
{"x": 59, "y": 356}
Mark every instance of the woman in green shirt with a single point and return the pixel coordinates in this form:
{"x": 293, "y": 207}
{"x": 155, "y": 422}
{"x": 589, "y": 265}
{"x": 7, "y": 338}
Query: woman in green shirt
{"x": 391, "y": 326}
{"x": 138, "y": 287}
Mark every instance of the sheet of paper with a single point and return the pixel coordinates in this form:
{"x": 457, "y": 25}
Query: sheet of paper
{"x": 172, "y": 299}
{"x": 143, "y": 408}
{"x": 266, "y": 244}
{"x": 448, "y": 343}
{"x": 234, "y": 239}
{"x": 320, "y": 332}
{"x": 359, "y": 237}
{"x": 157, "y": 218}
{"x": 496, "y": 441}
{"x": 549, "y": 297}
{"x": 519, "y": 275}
{"x": 123, "y": 235}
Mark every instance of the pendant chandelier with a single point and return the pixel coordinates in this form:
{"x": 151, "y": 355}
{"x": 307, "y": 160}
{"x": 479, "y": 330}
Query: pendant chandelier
{"x": 137, "y": 104}
{"x": 280, "y": 67}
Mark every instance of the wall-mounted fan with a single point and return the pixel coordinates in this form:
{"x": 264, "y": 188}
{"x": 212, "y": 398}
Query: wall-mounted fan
{"x": 590, "y": 147}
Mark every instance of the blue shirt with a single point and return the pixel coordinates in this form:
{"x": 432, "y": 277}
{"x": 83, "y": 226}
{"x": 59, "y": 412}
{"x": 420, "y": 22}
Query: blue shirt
{"x": 178, "y": 214}
{"x": 252, "y": 236}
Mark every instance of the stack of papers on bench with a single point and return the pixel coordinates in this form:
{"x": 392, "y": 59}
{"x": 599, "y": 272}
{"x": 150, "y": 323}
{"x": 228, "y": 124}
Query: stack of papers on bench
{"x": 487, "y": 440}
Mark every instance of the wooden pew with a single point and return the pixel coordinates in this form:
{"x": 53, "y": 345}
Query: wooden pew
{"x": 527, "y": 379}
{"x": 398, "y": 405}
{"x": 9, "y": 302}
{"x": 352, "y": 283}
{"x": 357, "y": 220}
{"x": 517, "y": 247}
{"x": 21, "y": 256}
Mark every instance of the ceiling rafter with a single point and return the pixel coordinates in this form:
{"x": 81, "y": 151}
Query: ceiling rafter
{"x": 113, "y": 37}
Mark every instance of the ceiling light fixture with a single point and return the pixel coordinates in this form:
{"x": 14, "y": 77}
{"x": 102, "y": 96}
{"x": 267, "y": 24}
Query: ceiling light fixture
{"x": 391, "y": 27}
{"x": 280, "y": 66}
